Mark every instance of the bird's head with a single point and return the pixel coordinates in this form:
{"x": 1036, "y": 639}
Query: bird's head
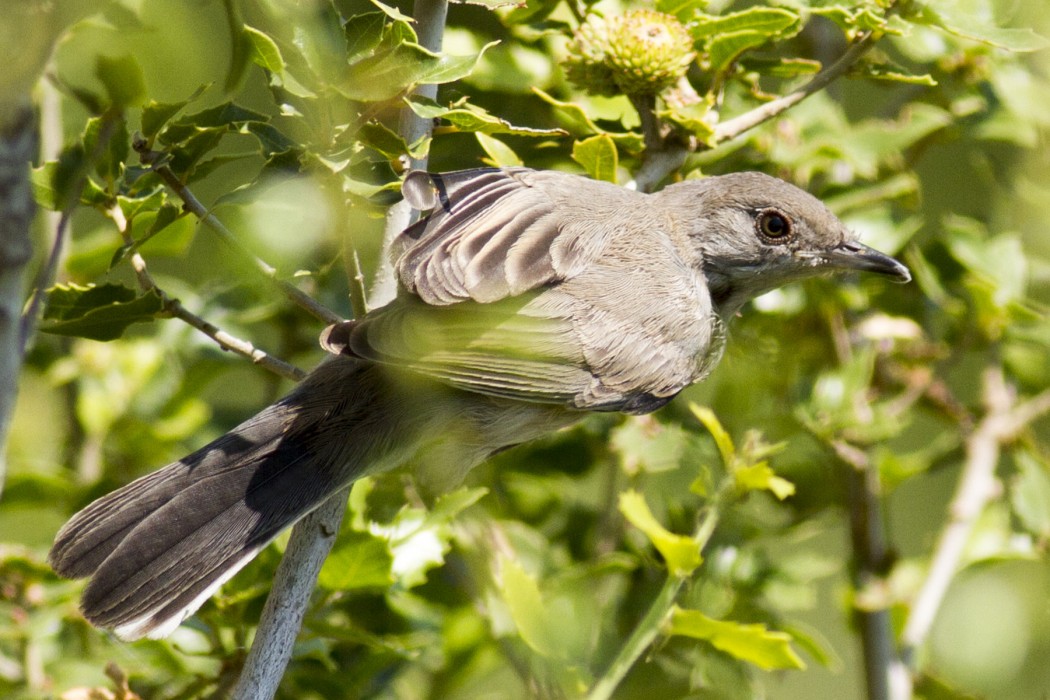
{"x": 755, "y": 233}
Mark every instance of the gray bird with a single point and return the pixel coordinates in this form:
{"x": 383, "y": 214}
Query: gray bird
{"x": 525, "y": 298}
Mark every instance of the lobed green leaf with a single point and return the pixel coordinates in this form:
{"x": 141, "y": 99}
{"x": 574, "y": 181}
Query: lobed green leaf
{"x": 97, "y": 312}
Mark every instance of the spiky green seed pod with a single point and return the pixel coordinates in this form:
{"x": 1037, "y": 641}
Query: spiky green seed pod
{"x": 585, "y": 65}
{"x": 647, "y": 51}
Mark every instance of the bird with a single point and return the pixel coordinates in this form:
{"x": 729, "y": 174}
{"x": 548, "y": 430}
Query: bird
{"x": 526, "y": 298}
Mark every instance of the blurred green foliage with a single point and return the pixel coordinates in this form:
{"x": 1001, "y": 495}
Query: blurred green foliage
{"x": 282, "y": 118}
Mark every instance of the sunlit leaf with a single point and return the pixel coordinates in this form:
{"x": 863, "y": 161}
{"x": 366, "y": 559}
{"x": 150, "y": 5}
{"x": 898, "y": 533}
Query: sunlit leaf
{"x": 754, "y": 643}
{"x": 522, "y": 596}
{"x": 156, "y": 114}
{"x": 725, "y": 443}
{"x": 54, "y": 181}
{"x": 766, "y": 20}
{"x": 681, "y": 553}
{"x": 264, "y": 50}
{"x": 363, "y": 33}
{"x": 470, "y": 118}
{"x": 1030, "y": 494}
{"x": 388, "y": 74}
{"x": 499, "y": 154}
{"x": 358, "y": 560}
{"x": 598, "y": 157}
{"x": 761, "y": 477}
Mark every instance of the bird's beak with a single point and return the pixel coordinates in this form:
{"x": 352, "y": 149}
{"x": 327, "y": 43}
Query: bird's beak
{"x": 852, "y": 255}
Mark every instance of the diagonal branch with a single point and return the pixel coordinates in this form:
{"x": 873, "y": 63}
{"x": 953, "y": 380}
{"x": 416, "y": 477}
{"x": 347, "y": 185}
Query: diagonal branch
{"x": 737, "y": 125}
{"x": 175, "y": 308}
{"x": 977, "y": 487}
{"x": 192, "y": 204}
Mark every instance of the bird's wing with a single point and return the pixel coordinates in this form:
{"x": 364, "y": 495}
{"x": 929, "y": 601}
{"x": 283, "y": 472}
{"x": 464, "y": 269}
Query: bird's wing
{"x": 495, "y": 233}
{"x": 497, "y": 348}
{"x": 542, "y": 287}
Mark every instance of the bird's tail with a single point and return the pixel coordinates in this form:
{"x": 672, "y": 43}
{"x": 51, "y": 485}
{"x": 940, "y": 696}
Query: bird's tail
{"x": 157, "y": 548}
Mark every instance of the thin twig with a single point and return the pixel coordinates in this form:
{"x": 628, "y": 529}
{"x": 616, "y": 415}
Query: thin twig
{"x": 192, "y": 204}
{"x": 732, "y": 128}
{"x": 175, "y": 308}
{"x": 977, "y": 487}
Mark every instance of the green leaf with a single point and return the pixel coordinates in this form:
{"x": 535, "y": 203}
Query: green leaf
{"x": 643, "y": 443}
{"x": 754, "y": 643}
{"x": 156, "y": 114}
{"x": 1030, "y": 494}
{"x": 264, "y": 50}
{"x": 174, "y": 222}
{"x": 889, "y": 74}
{"x": 392, "y": 12}
{"x": 760, "y": 477}
{"x": 123, "y": 79}
{"x": 598, "y": 157}
{"x": 530, "y": 615}
{"x": 271, "y": 139}
{"x": 770, "y": 21}
{"x": 147, "y": 201}
{"x": 390, "y": 73}
{"x": 728, "y": 36}
{"x": 781, "y": 67}
{"x": 451, "y": 504}
{"x": 110, "y": 156}
{"x": 580, "y": 122}
{"x": 499, "y": 154}
{"x": 684, "y": 10}
{"x": 382, "y": 139}
{"x": 725, "y": 443}
{"x": 948, "y": 17}
{"x": 358, "y": 560}
{"x": 692, "y": 118}
{"x": 681, "y": 553}
{"x": 54, "y": 181}
{"x": 98, "y": 313}
{"x": 363, "y": 33}
{"x": 470, "y": 118}
{"x": 726, "y": 48}
{"x": 228, "y": 114}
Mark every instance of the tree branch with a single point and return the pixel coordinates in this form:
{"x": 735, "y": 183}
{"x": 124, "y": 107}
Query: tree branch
{"x": 18, "y": 144}
{"x": 734, "y": 127}
{"x": 175, "y": 308}
{"x": 282, "y": 617}
{"x": 885, "y": 677}
{"x": 430, "y": 28}
{"x": 192, "y": 204}
{"x": 977, "y": 487}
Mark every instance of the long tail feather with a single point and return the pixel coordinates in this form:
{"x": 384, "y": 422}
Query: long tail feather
{"x": 157, "y": 548}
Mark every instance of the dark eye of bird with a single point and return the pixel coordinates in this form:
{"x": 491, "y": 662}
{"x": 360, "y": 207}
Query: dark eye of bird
{"x": 773, "y": 225}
